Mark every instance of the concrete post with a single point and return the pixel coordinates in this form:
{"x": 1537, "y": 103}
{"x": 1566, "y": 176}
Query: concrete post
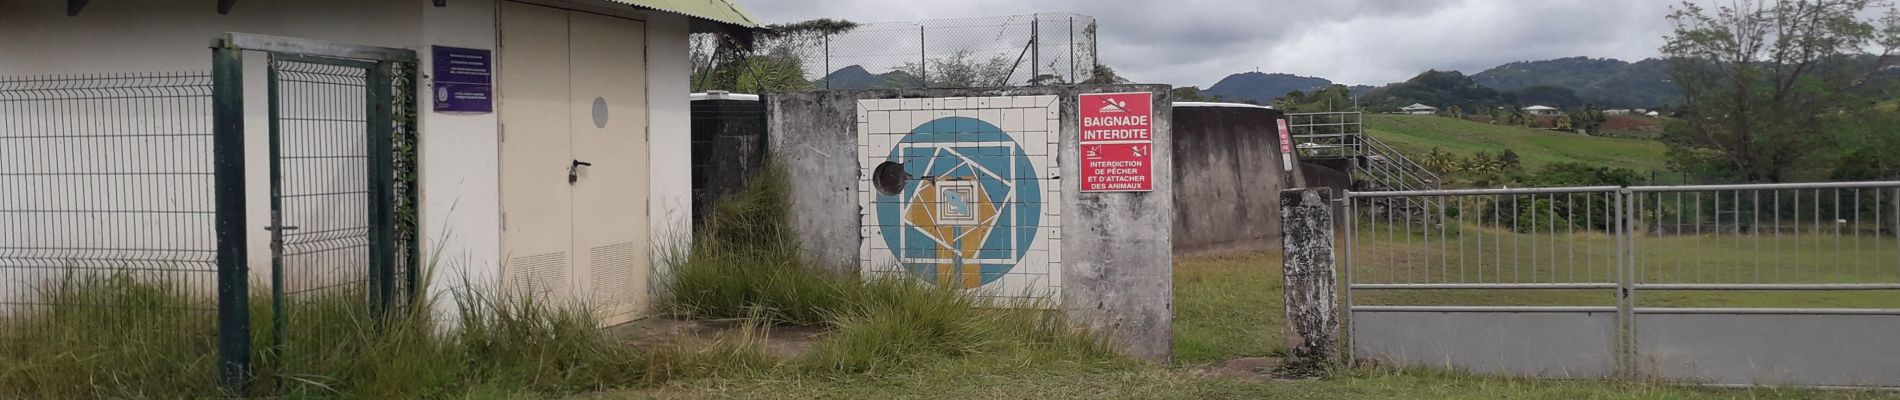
{"x": 1312, "y": 308}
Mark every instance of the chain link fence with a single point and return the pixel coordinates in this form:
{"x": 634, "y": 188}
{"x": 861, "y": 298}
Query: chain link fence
{"x": 1015, "y": 50}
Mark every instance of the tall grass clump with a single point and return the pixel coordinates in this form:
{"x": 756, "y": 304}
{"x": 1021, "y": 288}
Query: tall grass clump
{"x": 746, "y": 262}
{"x": 107, "y": 335}
{"x": 115, "y": 336}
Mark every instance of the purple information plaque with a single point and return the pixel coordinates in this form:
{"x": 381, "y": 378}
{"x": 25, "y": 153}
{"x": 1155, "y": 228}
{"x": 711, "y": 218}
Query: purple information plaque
{"x": 464, "y": 80}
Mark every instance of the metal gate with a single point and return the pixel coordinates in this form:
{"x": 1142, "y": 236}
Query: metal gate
{"x": 1783, "y": 284}
{"x": 340, "y": 168}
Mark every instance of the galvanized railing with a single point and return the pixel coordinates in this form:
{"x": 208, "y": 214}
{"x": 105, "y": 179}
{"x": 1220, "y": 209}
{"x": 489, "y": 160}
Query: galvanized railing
{"x": 1341, "y": 135}
{"x": 1653, "y": 262}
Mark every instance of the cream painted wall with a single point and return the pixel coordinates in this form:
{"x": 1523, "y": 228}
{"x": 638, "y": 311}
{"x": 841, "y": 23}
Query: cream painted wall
{"x": 460, "y": 171}
{"x": 669, "y": 201}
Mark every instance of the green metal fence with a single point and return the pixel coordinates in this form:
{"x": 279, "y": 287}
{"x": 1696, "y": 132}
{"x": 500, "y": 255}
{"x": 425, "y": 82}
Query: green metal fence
{"x": 106, "y": 221}
{"x": 342, "y": 195}
{"x": 123, "y": 220}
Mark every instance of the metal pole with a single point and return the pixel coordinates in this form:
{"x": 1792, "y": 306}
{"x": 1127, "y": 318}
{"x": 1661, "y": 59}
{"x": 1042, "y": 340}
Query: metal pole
{"x": 827, "y": 39}
{"x": 1035, "y": 49}
{"x": 227, "y": 147}
{"x": 382, "y": 199}
{"x": 1071, "y": 49}
{"x": 278, "y": 322}
{"x": 923, "y": 64}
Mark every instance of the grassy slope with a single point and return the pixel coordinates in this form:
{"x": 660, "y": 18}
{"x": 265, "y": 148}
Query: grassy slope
{"x": 1415, "y": 135}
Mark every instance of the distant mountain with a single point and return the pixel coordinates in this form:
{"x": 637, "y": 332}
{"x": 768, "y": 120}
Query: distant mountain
{"x": 1605, "y": 82}
{"x": 1442, "y": 89}
{"x": 1263, "y": 88}
{"x": 856, "y": 77}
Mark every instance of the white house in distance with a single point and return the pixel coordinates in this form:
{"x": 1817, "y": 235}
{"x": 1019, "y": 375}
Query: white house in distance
{"x": 1542, "y": 110}
{"x": 1418, "y": 109}
{"x": 599, "y": 81}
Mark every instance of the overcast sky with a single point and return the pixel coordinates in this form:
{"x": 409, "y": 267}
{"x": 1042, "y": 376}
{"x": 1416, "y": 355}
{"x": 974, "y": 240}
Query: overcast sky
{"x": 1197, "y": 42}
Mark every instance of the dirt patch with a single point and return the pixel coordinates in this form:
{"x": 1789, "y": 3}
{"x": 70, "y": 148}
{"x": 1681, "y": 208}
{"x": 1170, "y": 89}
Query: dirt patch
{"x": 785, "y": 342}
{"x": 1255, "y": 369}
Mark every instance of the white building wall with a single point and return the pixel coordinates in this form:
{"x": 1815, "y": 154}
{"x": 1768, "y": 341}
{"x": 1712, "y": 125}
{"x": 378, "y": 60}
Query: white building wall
{"x": 460, "y": 171}
{"x": 670, "y": 200}
{"x": 459, "y": 161}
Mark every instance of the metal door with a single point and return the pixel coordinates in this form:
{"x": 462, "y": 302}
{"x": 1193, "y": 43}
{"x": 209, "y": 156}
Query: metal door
{"x": 536, "y": 153}
{"x": 609, "y": 131}
{"x": 574, "y": 158}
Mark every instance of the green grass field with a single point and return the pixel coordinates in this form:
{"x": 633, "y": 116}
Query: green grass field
{"x": 1476, "y": 254}
{"x": 1418, "y": 134}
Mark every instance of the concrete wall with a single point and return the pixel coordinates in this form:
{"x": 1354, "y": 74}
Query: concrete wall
{"x": 1115, "y": 248}
{"x": 1228, "y": 177}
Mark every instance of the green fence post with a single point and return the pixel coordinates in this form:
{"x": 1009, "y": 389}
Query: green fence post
{"x": 382, "y": 228}
{"x": 227, "y": 146}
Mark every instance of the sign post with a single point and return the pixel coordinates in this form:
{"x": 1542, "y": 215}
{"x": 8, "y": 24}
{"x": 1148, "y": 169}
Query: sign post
{"x": 1117, "y": 140}
{"x": 1286, "y": 146}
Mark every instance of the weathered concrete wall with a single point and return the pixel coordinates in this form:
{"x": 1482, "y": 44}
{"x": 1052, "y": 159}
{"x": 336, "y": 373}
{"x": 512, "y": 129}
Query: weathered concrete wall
{"x": 1116, "y": 248}
{"x": 1228, "y": 175}
{"x": 813, "y": 135}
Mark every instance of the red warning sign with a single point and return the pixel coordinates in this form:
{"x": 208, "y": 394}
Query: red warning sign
{"x": 1117, "y": 140}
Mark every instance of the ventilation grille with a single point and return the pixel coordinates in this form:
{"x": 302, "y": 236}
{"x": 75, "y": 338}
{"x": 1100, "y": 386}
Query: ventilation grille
{"x": 613, "y": 269}
{"x": 543, "y": 276}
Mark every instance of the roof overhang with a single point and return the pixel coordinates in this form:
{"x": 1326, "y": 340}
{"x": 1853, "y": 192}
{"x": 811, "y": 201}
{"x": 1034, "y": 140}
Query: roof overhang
{"x": 707, "y": 15}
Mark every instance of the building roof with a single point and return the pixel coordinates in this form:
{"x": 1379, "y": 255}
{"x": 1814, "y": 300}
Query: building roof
{"x": 1417, "y": 106}
{"x": 1539, "y": 108}
{"x": 721, "y": 11}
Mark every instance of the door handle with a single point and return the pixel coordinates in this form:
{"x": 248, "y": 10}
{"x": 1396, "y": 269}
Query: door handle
{"x": 574, "y": 170}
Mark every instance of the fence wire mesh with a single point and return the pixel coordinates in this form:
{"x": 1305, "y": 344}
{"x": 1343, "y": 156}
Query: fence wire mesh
{"x": 106, "y": 217}
{"x": 1824, "y": 245}
{"x": 1016, "y": 50}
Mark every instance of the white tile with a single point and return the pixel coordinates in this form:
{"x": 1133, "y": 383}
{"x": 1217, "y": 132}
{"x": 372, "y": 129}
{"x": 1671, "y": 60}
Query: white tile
{"x": 1037, "y": 142}
{"x": 866, "y": 106}
{"x": 1012, "y": 120}
{"x": 953, "y": 103}
{"x": 930, "y": 103}
{"x": 1054, "y": 232}
{"x": 1010, "y": 284}
{"x": 888, "y": 104}
{"x": 910, "y": 104}
{"x": 992, "y": 116}
{"x": 980, "y": 102}
{"x": 1055, "y": 250}
{"x": 1046, "y": 101}
{"x": 920, "y": 117}
{"x": 1051, "y": 206}
{"x": 864, "y": 129}
{"x": 1033, "y": 121}
{"x": 900, "y": 122}
{"x": 941, "y": 114}
{"x": 880, "y": 122}
{"x": 967, "y": 113}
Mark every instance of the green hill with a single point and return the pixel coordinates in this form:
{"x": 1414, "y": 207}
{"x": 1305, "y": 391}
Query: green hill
{"x": 1416, "y": 135}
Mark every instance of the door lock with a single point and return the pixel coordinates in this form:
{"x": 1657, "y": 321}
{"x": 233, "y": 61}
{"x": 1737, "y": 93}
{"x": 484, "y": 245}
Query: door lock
{"x": 574, "y": 170}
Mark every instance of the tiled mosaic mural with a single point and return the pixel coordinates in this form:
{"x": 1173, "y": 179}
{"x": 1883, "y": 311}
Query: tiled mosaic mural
{"x": 961, "y": 191}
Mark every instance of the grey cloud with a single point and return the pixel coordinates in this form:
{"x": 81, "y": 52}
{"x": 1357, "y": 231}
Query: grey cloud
{"x": 1197, "y": 42}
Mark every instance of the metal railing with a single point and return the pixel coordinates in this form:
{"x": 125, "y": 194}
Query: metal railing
{"x": 1643, "y": 259}
{"x": 1341, "y": 135}
{"x": 106, "y": 233}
